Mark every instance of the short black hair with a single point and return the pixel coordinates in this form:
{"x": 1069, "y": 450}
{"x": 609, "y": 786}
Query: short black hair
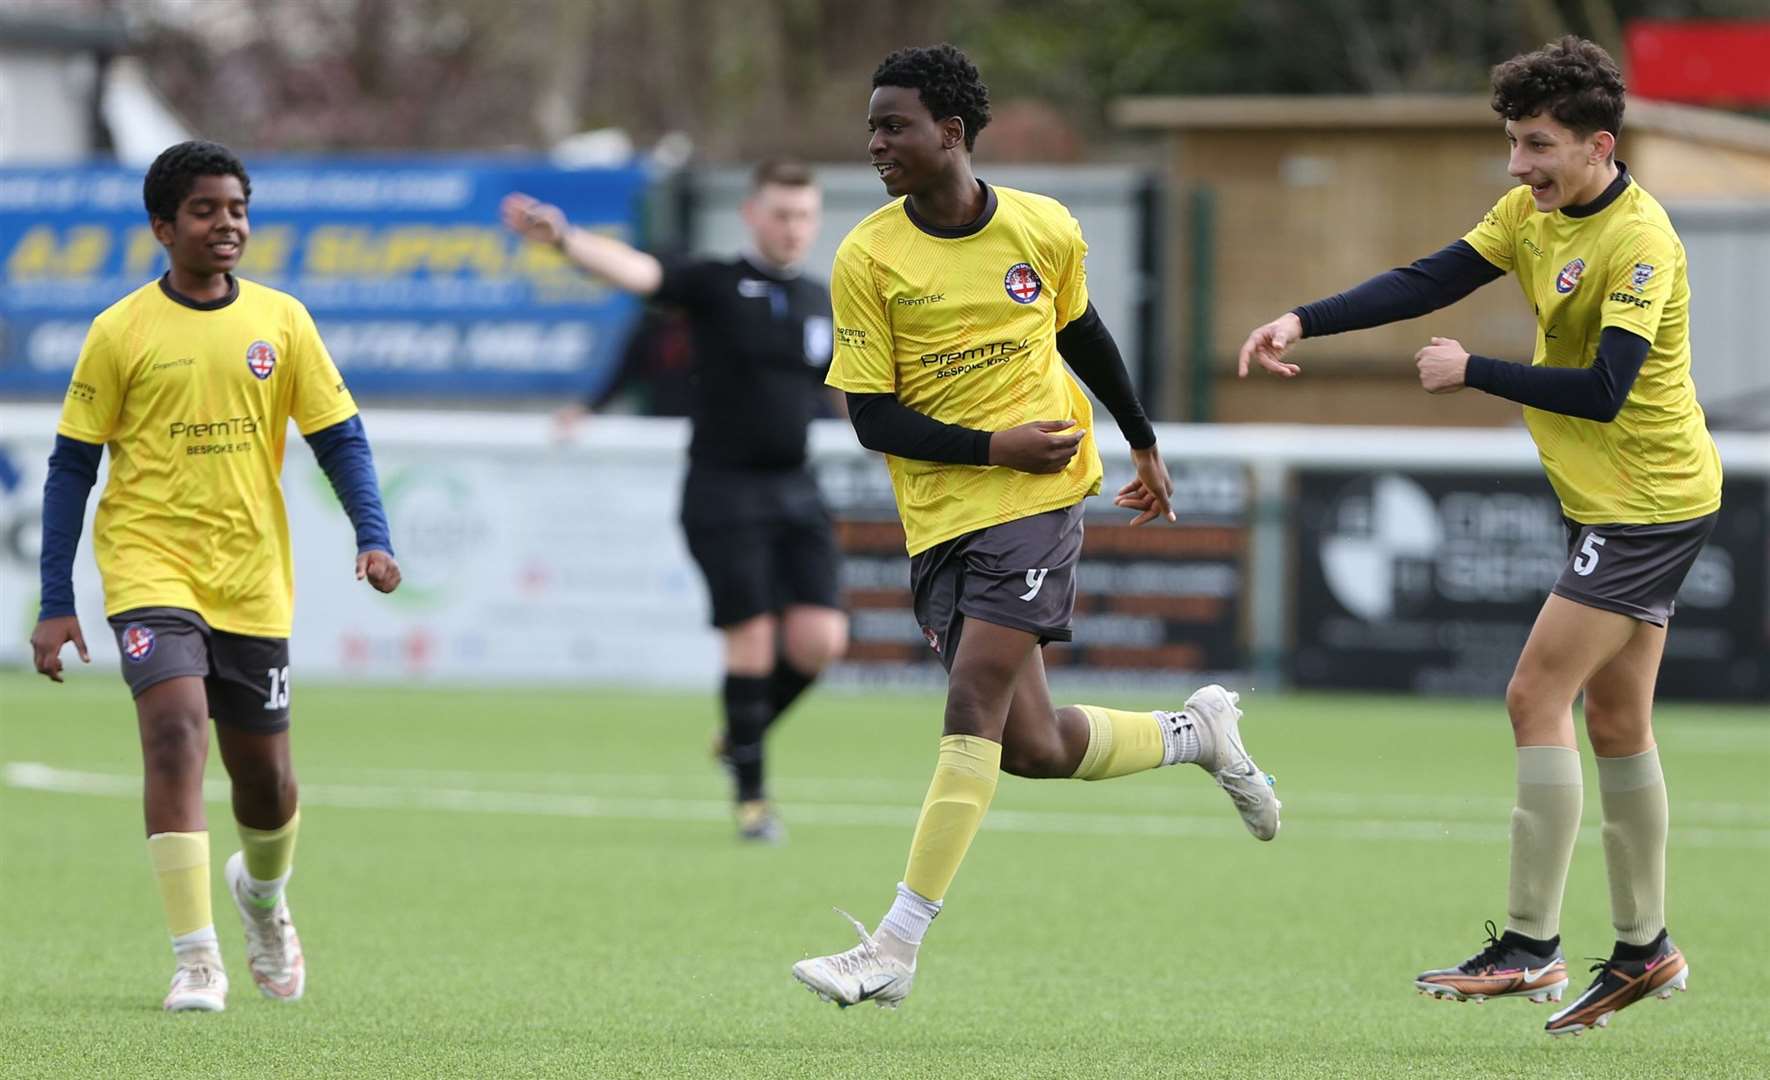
{"x": 945, "y": 79}
{"x": 172, "y": 175}
{"x": 1573, "y": 80}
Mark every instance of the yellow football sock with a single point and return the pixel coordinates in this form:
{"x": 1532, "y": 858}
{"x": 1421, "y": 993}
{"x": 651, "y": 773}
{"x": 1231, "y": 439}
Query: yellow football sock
{"x": 1119, "y": 743}
{"x": 964, "y": 782}
{"x": 181, "y": 865}
{"x": 270, "y": 853}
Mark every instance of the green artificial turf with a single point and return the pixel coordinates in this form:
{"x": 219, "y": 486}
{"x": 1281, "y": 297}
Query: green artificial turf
{"x": 504, "y": 883}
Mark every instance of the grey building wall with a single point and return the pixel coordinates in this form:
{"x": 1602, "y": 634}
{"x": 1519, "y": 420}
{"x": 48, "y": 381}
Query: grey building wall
{"x": 45, "y": 105}
{"x": 1728, "y": 246}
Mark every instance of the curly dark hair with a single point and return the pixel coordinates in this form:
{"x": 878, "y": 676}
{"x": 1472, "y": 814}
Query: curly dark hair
{"x": 945, "y": 79}
{"x": 172, "y": 175}
{"x": 1573, "y": 79}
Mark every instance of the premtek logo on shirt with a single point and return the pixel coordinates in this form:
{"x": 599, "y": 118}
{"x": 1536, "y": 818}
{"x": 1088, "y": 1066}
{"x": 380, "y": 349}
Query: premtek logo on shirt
{"x": 975, "y": 352}
{"x": 214, "y": 429}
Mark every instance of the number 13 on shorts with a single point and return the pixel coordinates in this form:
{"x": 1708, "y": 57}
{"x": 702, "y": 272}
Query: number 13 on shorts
{"x": 279, "y": 689}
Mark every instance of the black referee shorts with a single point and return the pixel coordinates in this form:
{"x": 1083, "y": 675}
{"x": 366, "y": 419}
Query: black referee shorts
{"x": 763, "y": 539}
{"x": 1633, "y": 570}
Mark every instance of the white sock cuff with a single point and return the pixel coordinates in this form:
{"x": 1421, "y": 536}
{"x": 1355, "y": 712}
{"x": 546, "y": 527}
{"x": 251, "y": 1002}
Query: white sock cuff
{"x": 910, "y": 914}
{"x": 201, "y": 939}
{"x": 1630, "y": 773}
{"x": 1557, "y": 766}
{"x": 266, "y": 889}
{"x": 1180, "y": 740}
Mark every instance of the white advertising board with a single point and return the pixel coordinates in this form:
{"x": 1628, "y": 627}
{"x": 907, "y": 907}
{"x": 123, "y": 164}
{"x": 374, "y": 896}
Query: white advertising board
{"x": 525, "y": 558}
{"x": 530, "y": 559}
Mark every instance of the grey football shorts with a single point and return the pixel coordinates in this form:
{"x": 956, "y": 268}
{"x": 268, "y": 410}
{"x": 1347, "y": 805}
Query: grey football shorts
{"x": 1020, "y": 574}
{"x": 246, "y": 678}
{"x": 1633, "y": 570}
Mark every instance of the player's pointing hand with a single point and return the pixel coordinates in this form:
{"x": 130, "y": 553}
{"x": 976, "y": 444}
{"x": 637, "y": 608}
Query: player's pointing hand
{"x": 1268, "y": 344}
{"x": 1042, "y": 446}
{"x": 380, "y": 568}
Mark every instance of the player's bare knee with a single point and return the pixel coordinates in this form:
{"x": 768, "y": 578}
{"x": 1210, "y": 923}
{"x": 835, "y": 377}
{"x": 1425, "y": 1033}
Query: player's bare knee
{"x": 1526, "y": 700}
{"x": 977, "y": 706}
{"x": 813, "y": 642}
{"x": 175, "y": 744}
{"x": 1035, "y": 759}
{"x": 1518, "y": 699}
{"x": 811, "y": 660}
{"x": 1608, "y": 742}
{"x": 264, "y": 775}
{"x": 749, "y": 646}
{"x": 1617, "y": 730}
{"x": 268, "y": 807}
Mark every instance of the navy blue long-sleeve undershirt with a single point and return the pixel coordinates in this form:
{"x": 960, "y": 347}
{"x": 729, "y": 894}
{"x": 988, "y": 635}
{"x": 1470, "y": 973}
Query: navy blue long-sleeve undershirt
{"x": 1590, "y": 393}
{"x": 1088, "y": 348}
{"x": 887, "y": 425}
{"x": 1447, "y": 275}
{"x": 73, "y": 469}
{"x": 883, "y": 423}
{"x": 1406, "y": 292}
{"x": 342, "y": 451}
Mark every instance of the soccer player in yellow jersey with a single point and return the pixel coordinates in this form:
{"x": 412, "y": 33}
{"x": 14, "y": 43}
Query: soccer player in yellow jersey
{"x": 191, "y": 381}
{"x": 1609, "y": 401}
{"x": 957, "y": 306}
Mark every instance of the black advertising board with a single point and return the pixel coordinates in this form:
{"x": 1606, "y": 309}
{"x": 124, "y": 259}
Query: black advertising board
{"x": 1153, "y": 602}
{"x": 1429, "y": 582}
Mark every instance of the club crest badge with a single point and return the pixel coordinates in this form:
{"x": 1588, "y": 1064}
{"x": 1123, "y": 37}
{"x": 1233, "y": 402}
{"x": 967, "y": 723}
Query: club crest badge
{"x": 1638, "y": 280}
{"x": 138, "y": 642}
{"x": 1568, "y": 279}
{"x": 1022, "y": 283}
{"x": 261, "y": 358}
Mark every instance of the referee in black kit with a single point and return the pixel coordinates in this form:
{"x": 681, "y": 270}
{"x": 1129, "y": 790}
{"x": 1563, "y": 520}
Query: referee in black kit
{"x": 750, "y": 508}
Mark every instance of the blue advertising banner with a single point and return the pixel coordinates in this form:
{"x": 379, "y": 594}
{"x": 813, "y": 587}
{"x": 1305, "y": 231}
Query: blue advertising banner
{"x": 416, "y": 287}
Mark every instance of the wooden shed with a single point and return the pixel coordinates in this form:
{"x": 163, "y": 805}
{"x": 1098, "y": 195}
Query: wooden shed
{"x": 1275, "y": 201}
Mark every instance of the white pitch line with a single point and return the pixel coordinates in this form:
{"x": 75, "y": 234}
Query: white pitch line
{"x": 36, "y": 776}
{"x": 1473, "y": 808}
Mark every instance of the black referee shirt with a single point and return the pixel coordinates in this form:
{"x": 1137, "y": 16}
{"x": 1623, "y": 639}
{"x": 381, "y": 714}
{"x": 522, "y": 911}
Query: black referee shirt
{"x": 762, "y": 344}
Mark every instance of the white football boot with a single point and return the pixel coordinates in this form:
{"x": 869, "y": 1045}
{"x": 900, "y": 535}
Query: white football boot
{"x": 273, "y": 949}
{"x": 198, "y": 983}
{"x": 863, "y": 973}
{"x": 1217, "y": 721}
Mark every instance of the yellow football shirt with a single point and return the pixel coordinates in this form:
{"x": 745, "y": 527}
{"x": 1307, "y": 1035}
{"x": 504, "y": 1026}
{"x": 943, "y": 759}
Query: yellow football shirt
{"x": 961, "y": 325}
{"x": 1622, "y": 266}
{"x": 194, "y": 401}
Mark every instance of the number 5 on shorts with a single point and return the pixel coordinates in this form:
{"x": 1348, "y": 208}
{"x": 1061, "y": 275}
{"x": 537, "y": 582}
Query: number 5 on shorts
{"x": 1583, "y": 565}
{"x": 279, "y": 689}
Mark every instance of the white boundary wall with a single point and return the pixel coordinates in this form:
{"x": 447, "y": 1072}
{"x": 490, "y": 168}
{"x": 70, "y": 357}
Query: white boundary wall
{"x": 527, "y": 559}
